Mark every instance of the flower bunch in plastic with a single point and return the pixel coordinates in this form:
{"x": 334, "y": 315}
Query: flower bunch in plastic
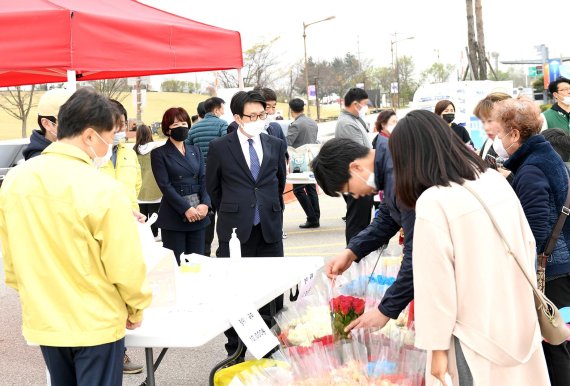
{"x": 305, "y": 322}
{"x": 344, "y": 308}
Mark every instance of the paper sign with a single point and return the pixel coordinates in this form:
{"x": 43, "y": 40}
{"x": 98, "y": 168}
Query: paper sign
{"x": 306, "y": 285}
{"x": 253, "y": 331}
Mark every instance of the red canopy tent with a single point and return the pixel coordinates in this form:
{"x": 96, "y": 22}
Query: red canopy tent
{"x": 41, "y": 40}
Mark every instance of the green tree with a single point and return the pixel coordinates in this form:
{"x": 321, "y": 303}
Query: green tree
{"x": 408, "y": 85}
{"x": 437, "y": 73}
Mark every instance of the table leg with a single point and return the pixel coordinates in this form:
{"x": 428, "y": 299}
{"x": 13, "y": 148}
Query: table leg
{"x": 149, "y": 367}
{"x": 226, "y": 361}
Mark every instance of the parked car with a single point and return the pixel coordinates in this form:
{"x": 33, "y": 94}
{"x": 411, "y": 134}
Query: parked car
{"x": 11, "y": 155}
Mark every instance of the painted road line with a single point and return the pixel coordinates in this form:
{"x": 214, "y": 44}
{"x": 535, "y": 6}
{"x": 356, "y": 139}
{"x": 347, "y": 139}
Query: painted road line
{"x": 314, "y": 230}
{"x": 316, "y": 246}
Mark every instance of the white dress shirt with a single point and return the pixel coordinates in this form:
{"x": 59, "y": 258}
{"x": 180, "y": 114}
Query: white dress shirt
{"x": 243, "y": 141}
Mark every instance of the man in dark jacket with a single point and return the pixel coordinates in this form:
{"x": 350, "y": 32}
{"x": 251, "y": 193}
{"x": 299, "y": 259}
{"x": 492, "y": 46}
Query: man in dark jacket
{"x": 210, "y": 127}
{"x": 346, "y": 167}
{"x": 48, "y": 108}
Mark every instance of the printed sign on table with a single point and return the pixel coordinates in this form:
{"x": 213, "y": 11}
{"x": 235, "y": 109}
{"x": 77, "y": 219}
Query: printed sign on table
{"x": 253, "y": 331}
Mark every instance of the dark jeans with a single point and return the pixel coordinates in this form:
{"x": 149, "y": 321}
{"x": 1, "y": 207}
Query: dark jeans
{"x": 358, "y": 215}
{"x": 184, "y": 242}
{"x": 210, "y": 229}
{"x": 255, "y": 246}
{"x": 558, "y": 357}
{"x": 309, "y": 200}
{"x": 148, "y": 210}
{"x": 100, "y": 365}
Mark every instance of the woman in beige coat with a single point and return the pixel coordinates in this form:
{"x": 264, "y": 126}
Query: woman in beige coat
{"x": 474, "y": 308}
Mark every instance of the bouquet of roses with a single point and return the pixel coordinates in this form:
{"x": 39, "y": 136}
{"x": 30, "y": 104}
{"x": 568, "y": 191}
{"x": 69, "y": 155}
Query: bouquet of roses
{"x": 344, "y": 309}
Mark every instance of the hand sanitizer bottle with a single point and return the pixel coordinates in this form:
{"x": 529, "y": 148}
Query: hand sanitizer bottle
{"x": 235, "y": 246}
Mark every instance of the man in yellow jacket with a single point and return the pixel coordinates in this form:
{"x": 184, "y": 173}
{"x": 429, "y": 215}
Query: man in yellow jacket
{"x": 79, "y": 283}
{"x": 124, "y": 165}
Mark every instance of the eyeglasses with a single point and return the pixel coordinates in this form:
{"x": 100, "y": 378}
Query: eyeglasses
{"x": 254, "y": 117}
{"x": 347, "y": 193}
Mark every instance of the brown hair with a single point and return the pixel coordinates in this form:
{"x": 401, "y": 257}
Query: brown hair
{"x": 173, "y": 114}
{"x": 519, "y": 114}
{"x": 484, "y": 107}
{"x": 143, "y": 136}
{"x": 383, "y": 118}
{"x": 442, "y": 105}
{"x": 426, "y": 153}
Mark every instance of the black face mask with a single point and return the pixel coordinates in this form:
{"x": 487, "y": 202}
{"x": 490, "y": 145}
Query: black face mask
{"x": 179, "y": 133}
{"x": 448, "y": 117}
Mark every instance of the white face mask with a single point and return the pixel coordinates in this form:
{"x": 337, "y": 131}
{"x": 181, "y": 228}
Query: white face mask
{"x": 100, "y": 161}
{"x": 370, "y": 181}
{"x": 500, "y": 148}
{"x": 271, "y": 117}
{"x": 362, "y": 112}
{"x": 118, "y": 137}
{"x": 253, "y": 129}
{"x": 390, "y": 128}
{"x": 566, "y": 100}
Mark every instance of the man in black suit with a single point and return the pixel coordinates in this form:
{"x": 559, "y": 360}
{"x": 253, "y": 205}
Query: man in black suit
{"x": 245, "y": 179}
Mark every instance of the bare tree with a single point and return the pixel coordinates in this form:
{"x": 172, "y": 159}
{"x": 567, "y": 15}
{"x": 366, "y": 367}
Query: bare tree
{"x": 259, "y": 68}
{"x": 17, "y": 103}
{"x": 482, "y": 55}
{"x": 112, "y": 88}
{"x": 471, "y": 42}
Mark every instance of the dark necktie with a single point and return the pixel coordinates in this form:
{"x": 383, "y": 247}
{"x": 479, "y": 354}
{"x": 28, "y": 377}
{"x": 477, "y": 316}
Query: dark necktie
{"x": 254, "y": 166}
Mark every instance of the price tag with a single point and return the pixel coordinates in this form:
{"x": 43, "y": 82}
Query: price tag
{"x": 306, "y": 285}
{"x": 253, "y": 331}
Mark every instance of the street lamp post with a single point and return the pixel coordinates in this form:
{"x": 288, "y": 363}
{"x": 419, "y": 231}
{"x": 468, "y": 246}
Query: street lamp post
{"x": 396, "y": 65}
{"x": 305, "y": 25}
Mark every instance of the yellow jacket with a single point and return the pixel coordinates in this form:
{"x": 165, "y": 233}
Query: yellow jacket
{"x": 127, "y": 171}
{"x": 71, "y": 249}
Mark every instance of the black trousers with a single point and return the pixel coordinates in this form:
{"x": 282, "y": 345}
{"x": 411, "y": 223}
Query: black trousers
{"x": 255, "y": 246}
{"x": 558, "y": 357}
{"x": 184, "y": 242}
{"x": 100, "y": 365}
{"x": 309, "y": 200}
{"x": 210, "y": 229}
{"x": 148, "y": 210}
{"x": 358, "y": 215}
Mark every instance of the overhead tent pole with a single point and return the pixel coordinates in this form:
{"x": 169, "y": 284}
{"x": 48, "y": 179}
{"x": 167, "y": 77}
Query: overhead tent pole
{"x": 71, "y": 81}
{"x": 240, "y": 79}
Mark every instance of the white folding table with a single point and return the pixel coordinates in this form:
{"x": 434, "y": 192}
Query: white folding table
{"x": 206, "y": 299}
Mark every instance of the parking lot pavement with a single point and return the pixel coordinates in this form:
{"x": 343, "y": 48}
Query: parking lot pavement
{"x": 21, "y": 364}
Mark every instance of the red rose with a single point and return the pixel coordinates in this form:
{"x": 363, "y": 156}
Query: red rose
{"x": 345, "y": 306}
{"x": 335, "y": 304}
{"x": 358, "y": 306}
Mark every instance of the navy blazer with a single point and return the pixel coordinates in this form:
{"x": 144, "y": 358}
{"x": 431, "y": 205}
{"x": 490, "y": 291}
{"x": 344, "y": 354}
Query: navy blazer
{"x": 177, "y": 176}
{"x": 234, "y": 192}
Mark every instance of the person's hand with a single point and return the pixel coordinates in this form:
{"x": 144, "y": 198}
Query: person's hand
{"x": 132, "y": 326}
{"x": 202, "y": 210}
{"x": 340, "y": 263}
{"x": 192, "y": 215}
{"x": 139, "y": 216}
{"x": 504, "y": 172}
{"x": 439, "y": 365}
{"x": 371, "y": 319}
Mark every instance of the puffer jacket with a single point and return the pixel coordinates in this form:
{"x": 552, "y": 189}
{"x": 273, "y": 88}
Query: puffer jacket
{"x": 541, "y": 184}
{"x": 203, "y": 131}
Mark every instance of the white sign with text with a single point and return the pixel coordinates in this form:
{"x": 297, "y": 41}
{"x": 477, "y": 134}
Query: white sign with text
{"x": 253, "y": 331}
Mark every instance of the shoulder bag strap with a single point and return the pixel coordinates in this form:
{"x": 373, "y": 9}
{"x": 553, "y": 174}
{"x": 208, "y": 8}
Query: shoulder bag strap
{"x": 564, "y": 213}
{"x": 505, "y": 241}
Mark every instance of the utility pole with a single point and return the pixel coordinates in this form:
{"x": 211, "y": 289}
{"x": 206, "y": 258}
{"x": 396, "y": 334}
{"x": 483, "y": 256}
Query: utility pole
{"x": 139, "y": 101}
{"x": 317, "y": 99}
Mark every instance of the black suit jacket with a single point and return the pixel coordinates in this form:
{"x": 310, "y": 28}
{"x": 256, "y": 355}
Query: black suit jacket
{"x": 234, "y": 192}
{"x": 178, "y": 176}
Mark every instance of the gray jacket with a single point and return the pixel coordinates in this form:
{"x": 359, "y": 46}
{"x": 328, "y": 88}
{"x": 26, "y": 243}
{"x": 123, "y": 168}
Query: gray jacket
{"x": 351, "y": 127}
{"x": 302, "y": 131}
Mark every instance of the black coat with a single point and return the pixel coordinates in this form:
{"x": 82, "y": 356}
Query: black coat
{"x": 234, "y": 192}
{"x": 177, "y": 176}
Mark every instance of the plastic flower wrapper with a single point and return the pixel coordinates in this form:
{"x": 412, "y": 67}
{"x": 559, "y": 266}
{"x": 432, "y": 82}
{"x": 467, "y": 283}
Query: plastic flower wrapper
{"x": 309, "y": 365}
{"x": 344, "y": 308}
{"x": 354, "y": 357}
{"x": 306, "y": 322}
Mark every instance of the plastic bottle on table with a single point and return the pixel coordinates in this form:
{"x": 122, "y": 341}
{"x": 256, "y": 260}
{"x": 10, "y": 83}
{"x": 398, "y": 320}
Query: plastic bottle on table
{"x": 235, "y": 245}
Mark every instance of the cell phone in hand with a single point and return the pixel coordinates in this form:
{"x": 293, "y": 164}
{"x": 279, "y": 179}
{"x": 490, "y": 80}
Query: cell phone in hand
{"x": 492, "y": 161}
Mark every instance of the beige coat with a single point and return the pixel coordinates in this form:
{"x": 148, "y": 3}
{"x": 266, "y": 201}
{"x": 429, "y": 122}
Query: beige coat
{"x": 465, "y": 284}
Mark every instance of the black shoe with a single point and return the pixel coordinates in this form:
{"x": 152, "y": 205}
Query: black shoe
{"x": 310, "y": 224}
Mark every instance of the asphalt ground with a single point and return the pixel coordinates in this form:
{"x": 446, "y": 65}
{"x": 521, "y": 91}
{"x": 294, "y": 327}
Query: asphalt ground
{"x": 21, "y": 364}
